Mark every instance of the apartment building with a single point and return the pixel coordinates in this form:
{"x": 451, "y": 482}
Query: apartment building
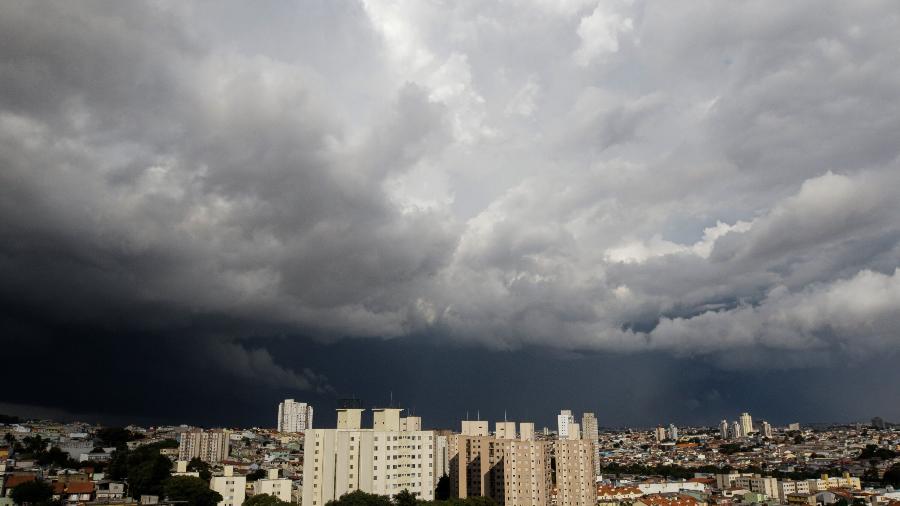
{"x": 210, "y": 446}
{"x": 511, "y": 469}
{"x": 563, "y": 421}
{"x": 575, "y": 480}
{"x": 294, "y": 416}
{"x": 232, "y": 487}
{"x": 383, "y": 460}
{"x": 746, "y": 424}
{"x": 273, "y": 485}
{"x": 591, "y": 431}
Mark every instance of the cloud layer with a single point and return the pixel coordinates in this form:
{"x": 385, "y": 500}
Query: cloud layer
{"x": 709, "y": 180}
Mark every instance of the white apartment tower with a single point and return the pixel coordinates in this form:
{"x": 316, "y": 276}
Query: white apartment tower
{"x": 383, "y": 460}
{"x": 563, "y": 420}
{"x": 673, "y": 432}
{"x": 746, "y": 424}
{"x": 723, "y": 429}
{"x": 294, "y": 416}
{"x": 767, "y": 429}
{"x": 736, "y": 431}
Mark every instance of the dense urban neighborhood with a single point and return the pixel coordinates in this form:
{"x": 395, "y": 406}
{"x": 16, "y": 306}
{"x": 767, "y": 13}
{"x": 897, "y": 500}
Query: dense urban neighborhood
{"x": 396, "y": 461}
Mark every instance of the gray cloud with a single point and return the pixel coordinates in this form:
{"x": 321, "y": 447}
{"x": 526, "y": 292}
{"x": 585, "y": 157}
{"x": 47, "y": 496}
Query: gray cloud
{"x": 714, "y": 181}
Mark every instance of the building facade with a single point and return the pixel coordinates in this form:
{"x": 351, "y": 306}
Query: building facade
{"x": 575, "y": 481}
{"x": 294, "y": 416}
{"x": 591, "y": 431}
{"x": 383, "y": 460}
{"x": 231, "y": 487}
{"x": 563, "y": 421}
{"x": 209, "y": 446}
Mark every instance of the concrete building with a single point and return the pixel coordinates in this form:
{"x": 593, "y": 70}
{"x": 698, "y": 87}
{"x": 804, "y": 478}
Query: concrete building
{"x": 673, "y": 432}
{"x": 723, "y": 429}
{"x": 575, "y": 480}
{"x": 383, "y": 460}
{"x": 563, "y": 420}
{"x": 736, "y": 431}
{"x": 767, "y": 429}
{"x": 590, "y": 430}
{"x": 231, "y": 487}
{"x": 181, "y": 470}
{"x": 210, "y": 446}
{"x": 746, "y": 424}
{"x": 294, "y": 416}
{"x": 509, "y": 470}
{"x": 273, "y": 485}
{"x": 660, "y": 434}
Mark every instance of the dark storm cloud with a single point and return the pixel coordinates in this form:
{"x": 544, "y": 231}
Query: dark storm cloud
{"x": 711, "y": 181}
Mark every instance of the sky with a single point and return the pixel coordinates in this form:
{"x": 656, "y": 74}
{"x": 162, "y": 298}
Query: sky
{"x": 660, "y": 212}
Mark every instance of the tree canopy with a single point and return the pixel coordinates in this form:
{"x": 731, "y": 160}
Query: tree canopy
{"x": 32, "y": 493}
{"x": 194, "y": 491}
{"x": 144, "y": 469}
{"x": 202, "y": 467}
{"x": 264, "y": 500}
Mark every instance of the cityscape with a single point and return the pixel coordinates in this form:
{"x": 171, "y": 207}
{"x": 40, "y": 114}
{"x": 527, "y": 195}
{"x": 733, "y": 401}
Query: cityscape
{"x": 386, "y": 454}
{"x": 449, "y": 253}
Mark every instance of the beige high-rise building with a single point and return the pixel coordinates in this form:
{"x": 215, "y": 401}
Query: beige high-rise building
{"x": 591, "y": 431}
{"x": 509, "y": 470}
{"x": 575, "y": 480}
{"x": 383, "y": 460}
{"x": 746, "y": 424}
{"x": 563, "y": 420}
{"x": 274, "y": 486}
{"x": 209, "y": 446}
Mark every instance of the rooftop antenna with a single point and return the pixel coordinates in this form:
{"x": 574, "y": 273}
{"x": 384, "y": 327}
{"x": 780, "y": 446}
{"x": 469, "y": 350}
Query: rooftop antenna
{"x": 504, "y": 415}
{"x": 391, "y": 405}
{"x": 467, "y": 415}
{"x": 478, "y": 414}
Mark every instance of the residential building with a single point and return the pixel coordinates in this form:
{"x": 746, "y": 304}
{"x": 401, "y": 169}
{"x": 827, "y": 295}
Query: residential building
{"x": 673, "y": 432}
{"x": 210, "y": 446}
{"x": 273, "y": 486}
{"x": 591, "y": 431}
{"x": 746, "y": 424}
{"x": 510, "y": 470}
{"x": 575, "y": 480}
{"x": 737, "y": 431}
{"x": 383, "y": 460}
{"x": 660, "y": 434}
{"x": 231, "y": 487}
{"x": 767, "y": 429}
{"x": 294, "y": 416}
{"x": 563, "y": 420}
{"x": 723, "y": 429}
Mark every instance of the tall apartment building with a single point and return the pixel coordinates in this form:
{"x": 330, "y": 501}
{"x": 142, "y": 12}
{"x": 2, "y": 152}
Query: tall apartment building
{"x": 563, "y": 420}
{"x": 510, "y": 470}
{"x": 591, "y": 431}
{"x": 659, "y": 434}
{"x": 736, "y": 430}
{"x": 723, "y": 429}
{"x": 746, "y": 424}
{"x": 231, "y": 487}
{"x": 575, "y": 479}
{"x": 210, "y": 446}
{"x": 294, "y": 416}
{"x": 383, "y": 460}
{"x": 672, "y": 432}
{"x": 767, "y": 429}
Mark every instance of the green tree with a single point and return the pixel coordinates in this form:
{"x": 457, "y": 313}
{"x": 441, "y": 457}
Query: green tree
{"x": 264, "y": 500}
{"x": 359, "y": 498}
{"x": 116, "y": 436}
{"x": 256, "y": 475}
{"x": 442, "y": 491}
{"x": 892, "y": 476}
{"x": 201, "y": 467}
{"x": 405, "y": 498}
{"x": 144, "y": 469}
{"x": 32, "y": 493}
{"x": 194, "y": 491}
{"x": 56, "y": 458}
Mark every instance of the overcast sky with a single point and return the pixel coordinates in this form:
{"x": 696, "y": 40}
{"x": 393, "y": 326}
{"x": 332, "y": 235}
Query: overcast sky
{"x": 660, "y": 211}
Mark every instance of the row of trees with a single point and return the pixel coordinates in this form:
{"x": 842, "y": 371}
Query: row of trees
{"x": 404, "y": 498}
